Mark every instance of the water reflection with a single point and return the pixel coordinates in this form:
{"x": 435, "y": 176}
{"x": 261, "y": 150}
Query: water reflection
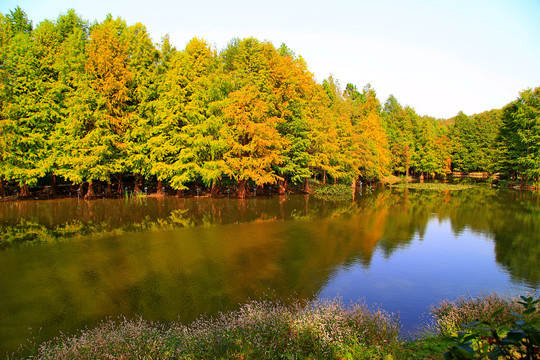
{"x": 165, "y": 258}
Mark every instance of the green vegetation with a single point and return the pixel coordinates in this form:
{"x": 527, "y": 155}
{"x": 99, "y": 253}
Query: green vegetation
{"x": 475, "y": 144}
{"x": 334, "y": 192}
{"x": 432, "y": 186}
{"x": 89, "y": 104}
{"x": 496, "y": 328}
{"x": 324, "y": 329}
{"x": 258, "y": 330}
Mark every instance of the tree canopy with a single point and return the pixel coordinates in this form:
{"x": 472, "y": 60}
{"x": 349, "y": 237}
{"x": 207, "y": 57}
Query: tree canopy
{"x": 92, "y": 103}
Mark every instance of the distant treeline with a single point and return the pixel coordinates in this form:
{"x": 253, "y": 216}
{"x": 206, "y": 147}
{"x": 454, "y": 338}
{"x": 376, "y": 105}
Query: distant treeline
{"x": 91, "y": 103}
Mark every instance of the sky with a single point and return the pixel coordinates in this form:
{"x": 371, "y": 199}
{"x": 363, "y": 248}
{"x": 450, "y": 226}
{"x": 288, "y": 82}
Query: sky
{"x": 439, "y": 57}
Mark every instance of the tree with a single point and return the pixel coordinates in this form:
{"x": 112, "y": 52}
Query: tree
{"x": 28, "y": 108}
{"x": 432, "y": 147}
{"x": 166, "y": 112}
{"x": 369, "y": 125}
{"x": 142, "y": 63}
{"x": 520, "y": 136}
{"x": 254, "y": 145}
{"x": 69, "y": 62}
{"x": 331, "y": 132}
{"x": 205, "y": 144}
{"x": 398, "y": 124}
{"x": 98, "y": 107}
{"x": 19, "y": 22}
{"x": 293, "y": 89}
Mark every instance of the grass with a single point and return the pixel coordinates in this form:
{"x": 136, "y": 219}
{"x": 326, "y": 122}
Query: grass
{"x": 325, "y": 329}
{"x": 334, "y": 192}
{"x": 427, "y": 347}
{"x": 433, "y": 186}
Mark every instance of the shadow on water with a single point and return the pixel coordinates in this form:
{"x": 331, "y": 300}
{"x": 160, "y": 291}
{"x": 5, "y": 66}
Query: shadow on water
{"x": 67, "y": 264}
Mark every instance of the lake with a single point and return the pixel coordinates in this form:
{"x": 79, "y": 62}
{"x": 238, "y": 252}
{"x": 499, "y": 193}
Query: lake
{"x": 172, "y": 259}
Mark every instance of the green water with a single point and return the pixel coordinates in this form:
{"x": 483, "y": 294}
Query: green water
{"x": 69, "y": 263}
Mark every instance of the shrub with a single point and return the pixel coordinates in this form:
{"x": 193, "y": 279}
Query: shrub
{"x": 450, "y": 315}
{"x": 496, "y": 332}
{"x": 258, "y": 330}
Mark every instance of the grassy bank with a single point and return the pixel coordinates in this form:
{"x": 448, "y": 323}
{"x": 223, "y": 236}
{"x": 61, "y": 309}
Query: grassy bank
{"x": 433, "y": 186}
{"x": 270, "y": 330}
{"x": 334, "y": 192}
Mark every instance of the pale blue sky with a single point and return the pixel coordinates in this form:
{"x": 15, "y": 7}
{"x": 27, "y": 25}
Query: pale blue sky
{"x": 439, "y": 57}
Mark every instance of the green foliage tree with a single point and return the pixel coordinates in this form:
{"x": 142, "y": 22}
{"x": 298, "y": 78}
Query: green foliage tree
{"x": 98, "y": 107}
{"x": 474, "y": 141}
{"x": 520, "y": 136}
{"x": 432, "y": 147}
{"x": 205, "y": 144}
{"x": 293, "y": 90}
{"x": 142, "y": 63}
{"x": 398, "y": 123}
{"x": 29, "y": 109}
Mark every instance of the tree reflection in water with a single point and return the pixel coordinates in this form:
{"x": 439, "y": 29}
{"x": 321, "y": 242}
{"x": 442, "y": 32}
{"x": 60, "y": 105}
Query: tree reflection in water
{"x": 164, "y": 258}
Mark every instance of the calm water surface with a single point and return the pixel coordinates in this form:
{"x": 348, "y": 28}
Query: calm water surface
{"x": 173, "y": 259}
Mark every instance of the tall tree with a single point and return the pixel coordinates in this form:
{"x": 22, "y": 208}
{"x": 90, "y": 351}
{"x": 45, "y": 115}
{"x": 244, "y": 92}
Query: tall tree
{"x": 293, "y": 89}
{"x": 399, "y": 127}
{"x": 432, "y": 147}
{"x": 520, "y": 136}
{"x": 474, "y": 141}
{"x": 202, "y": 155}
{"x": 167, "y": 113}
{"x": 98, "y": 107}
{"x": 254, "y": 143}
{"x": 142, "y": 63}
{"x": 28, "y": 108}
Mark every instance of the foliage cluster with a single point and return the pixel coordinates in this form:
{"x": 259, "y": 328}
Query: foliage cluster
{"x": 500, "y": 337}
{"x": 258, "y": 330}
{"x": 92, "y": 102}
{"x": 505, "y": 140}
{"x": 450, "y": 315}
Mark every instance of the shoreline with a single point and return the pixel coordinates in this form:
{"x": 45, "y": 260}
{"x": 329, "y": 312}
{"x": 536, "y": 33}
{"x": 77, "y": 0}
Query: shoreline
{"x": 323, "y": 329}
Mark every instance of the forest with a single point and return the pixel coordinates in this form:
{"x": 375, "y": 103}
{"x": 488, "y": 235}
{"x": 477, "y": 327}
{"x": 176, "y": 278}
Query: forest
{"x": 98, "y": 106}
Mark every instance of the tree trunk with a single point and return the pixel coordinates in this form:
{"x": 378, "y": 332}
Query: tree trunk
{"x": 216, "y": 187}
{"x": 306, "y": 186}
{"x": 138, "y": 183}
{"x": 2, "y": 191}
{"x": 282, "y": 189}
{"x": 54, "y": 185}
{"x": 335, "y": 181}
{"x": 24, "y": 191}
{"x": 160, "y": 188}
{"x": 242, "y": 189}
{"x": 120, "y": 185}
{"x": 324, "y": 178}
{"x": 91, "y": 193}
{"x": 108, "y": 189}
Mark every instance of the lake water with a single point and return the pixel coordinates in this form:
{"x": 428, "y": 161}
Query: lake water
{"x": 172, "y": 259}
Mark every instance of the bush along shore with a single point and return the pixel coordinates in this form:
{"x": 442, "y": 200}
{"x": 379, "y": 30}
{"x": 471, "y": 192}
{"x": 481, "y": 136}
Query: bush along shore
{"x": 325, "y": 329}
